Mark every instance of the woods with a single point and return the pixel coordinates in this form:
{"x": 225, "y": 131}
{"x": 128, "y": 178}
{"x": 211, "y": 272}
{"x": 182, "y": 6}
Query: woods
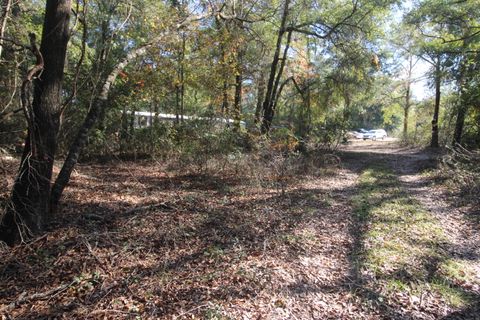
{"x": 244, "y": 99}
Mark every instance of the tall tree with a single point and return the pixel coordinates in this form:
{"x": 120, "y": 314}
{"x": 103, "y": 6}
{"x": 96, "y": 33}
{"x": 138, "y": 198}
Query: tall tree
{"x": 408, "y": 93}
{"x": 451, "y": 28}
{"x": 5, "y": 10}
{"x": 29, "y": 208}
{"x": 268, "y": 103}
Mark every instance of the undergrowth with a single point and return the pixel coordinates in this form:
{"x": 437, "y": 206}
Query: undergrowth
{"x": 460, "y": 169}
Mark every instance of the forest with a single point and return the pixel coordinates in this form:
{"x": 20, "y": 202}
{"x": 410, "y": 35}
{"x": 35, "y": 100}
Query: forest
{"x": 240, "y": 159}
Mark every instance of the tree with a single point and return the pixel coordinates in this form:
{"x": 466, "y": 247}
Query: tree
{"x": 449, "y": 32}
{"x": 274, "y": 78}
{"x": 5, "y": 7}
{"x": 408, "y": 93}
{"x": 29, "y": 207}
{"x": 100, "y": 103}
{"x": 334, "y": 25}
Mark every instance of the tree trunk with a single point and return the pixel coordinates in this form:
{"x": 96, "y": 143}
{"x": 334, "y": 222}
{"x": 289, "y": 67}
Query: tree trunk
{"x": 237, "y": 104}
{"x": 406, "y": 109}
{"x": 462, "y": 83}
{"x": 225, "y": 106}
{"x": 80, "y": 141}
{"x": 260, "y": 96}
{"x": 436, "y": 110}
{"x": 223, "y": 63}
{"x": 29, "y": 207}
{"x": 406, "y": 112}
{"x": 55, "y": 35}
{"x": 276, "y": 91}
{"x": 182, "y": 78}
{"x": 180, "y": 87}
{"x": 268, "y": 111}
{"x": 100, "y": 103}
{"x": 6, "y": 4}
{"x": 177, "y": 104}
{"x": 459, "y": 123}
{"x": 464, "y": 103}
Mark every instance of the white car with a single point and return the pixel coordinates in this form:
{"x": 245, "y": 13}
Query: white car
{"x": 375, "y": 134}
{"x": 359, "y": 134}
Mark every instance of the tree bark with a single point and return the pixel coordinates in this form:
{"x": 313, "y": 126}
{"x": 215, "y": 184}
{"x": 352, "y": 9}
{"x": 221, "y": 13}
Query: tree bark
{"x": 99, "y": 104}
{"x": 463, "y": 103}
{"x": 276, "y": 91}
{"x": 182, "y": 78}
{"x": 225, "y": 105}
{"x": 6, "y": 5}
{"x": 223, "y": 63}
{"x": 459, "y": 123}
{"x": 268, "y": 111}
{"x": 260, "y": 96}
{"x": 406, "y": 109}
{"x": 29, "y": 209}
{"x": 406, "y": 112}
{"x": 436, "y": 110}
{"x": 237, "y": 104}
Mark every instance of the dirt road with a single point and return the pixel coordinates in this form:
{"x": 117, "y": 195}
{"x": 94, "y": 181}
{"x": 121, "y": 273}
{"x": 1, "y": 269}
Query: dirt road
{"x": 439, "y": 278}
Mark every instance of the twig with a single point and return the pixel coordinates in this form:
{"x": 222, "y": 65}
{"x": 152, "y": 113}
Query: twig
{"x": 191, "y": 310}
{"x": 112, "y": 311}
{"x": 162, "y": 205}
{"x": 16, "y": 43}
{"x": 94, "y": 255}
{"x": 40, "y": 296}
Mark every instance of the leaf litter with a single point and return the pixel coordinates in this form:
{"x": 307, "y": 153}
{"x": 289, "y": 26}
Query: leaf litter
{"x": 135, "y": 241}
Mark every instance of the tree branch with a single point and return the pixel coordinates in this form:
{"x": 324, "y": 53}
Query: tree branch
{"x": 331, "y": 30}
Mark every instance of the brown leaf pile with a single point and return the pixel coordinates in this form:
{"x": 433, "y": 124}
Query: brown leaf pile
{"x": 134, "y": 241}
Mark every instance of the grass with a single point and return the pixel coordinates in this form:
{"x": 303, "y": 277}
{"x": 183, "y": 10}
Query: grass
{"x": 402, "y": 243}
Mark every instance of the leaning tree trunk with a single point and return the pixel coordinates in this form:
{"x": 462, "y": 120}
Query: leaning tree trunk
{"x": 29, "y": 207}
{"x": 462, "y": 107}
{"x": 99, "y": 104}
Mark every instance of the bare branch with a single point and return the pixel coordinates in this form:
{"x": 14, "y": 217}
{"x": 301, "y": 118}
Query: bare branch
{"x": 82, "y": 20}
{"x": 331, "y": 30}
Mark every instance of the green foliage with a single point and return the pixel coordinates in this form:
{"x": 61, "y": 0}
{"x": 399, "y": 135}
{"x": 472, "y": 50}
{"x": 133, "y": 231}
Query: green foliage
{"x": 344, "y": 80}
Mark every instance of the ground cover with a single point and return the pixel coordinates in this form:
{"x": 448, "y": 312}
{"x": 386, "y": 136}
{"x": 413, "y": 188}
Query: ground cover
{"x": 370, "y": 237}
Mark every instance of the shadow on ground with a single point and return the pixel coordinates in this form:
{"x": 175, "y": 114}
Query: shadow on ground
{"x": 368, "y": 279}
{"x": 136, "y": 242}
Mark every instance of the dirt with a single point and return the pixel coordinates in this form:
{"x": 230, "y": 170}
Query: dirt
{"x": 137, "y": 241}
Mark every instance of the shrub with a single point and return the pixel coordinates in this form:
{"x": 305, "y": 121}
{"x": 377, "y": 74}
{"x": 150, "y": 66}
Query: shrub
{"x": 460, "y": 168}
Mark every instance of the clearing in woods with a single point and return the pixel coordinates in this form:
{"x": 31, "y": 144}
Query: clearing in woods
{"x": 374, "y": 238}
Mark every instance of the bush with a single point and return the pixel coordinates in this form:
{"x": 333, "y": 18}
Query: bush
{"x": 460, "y": 168}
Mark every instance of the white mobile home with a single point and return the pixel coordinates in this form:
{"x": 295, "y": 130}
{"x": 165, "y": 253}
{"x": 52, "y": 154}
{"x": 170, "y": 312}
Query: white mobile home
{"x": 145, "y": 119}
